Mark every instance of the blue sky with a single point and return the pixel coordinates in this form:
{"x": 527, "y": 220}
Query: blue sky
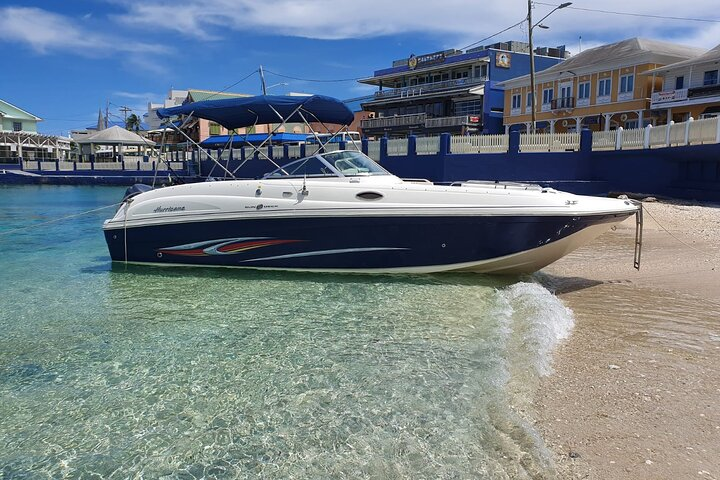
{"x": 65, "y": 58}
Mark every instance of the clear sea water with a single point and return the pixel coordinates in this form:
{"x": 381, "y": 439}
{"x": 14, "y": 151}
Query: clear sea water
{"x": 120, "y": 372}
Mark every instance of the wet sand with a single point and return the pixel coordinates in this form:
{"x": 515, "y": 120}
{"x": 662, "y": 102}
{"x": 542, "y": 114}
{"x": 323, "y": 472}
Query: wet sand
{"x": 635, "y": 392}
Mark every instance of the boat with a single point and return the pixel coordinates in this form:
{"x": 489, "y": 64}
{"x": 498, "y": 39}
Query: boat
{"x": 339, "y": 211}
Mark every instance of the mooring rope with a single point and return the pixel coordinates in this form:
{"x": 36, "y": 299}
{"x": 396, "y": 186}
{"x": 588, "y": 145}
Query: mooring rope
{"x": 676, "y": 238}
{"x": 7, "y": 232}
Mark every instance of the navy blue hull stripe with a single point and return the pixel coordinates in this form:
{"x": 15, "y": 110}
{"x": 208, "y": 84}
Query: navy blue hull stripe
{"x": 324, "y": 252}
{"x": 354, "y": 243}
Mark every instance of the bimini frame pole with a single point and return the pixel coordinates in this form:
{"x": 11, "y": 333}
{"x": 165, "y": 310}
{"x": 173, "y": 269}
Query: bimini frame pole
{"x": 283, "y": 122}
{"x": 200, "y": 148}
{"x": 344, "y": 128}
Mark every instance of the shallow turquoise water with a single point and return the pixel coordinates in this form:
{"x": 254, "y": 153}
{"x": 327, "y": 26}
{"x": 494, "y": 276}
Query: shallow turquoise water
{"x": 115, "y": 372}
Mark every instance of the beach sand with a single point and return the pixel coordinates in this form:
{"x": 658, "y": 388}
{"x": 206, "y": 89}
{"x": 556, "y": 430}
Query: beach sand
{"x": 635, "y": 392}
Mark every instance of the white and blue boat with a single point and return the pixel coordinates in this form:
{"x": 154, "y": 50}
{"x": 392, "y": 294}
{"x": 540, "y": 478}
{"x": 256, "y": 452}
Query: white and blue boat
{"x": 340, "y": 211}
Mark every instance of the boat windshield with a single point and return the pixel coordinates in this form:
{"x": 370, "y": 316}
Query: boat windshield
{"x": 346, "y": 163}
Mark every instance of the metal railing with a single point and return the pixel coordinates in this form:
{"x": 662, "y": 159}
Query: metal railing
{"x": 395, "y": 121}
{"x": 562, "y": 103}
{"x": 416, "y": 90}
{"x": 441, "y": 122}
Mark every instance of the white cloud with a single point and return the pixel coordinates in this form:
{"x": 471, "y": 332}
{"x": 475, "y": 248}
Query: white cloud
{"x": 47, "y": 32}
{"x": 137, "y": 96}
{"x": 451, "y": 21}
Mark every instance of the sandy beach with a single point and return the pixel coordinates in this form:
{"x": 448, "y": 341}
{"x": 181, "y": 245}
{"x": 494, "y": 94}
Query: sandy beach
{"x": 636, "y": 388}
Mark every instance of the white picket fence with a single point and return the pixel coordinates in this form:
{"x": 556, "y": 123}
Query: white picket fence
{"x": 677, "y": 135}
{"x": 549, "y": 142}
{"x": 658, "y": 137}
{"x": 397, "y": 146}
{"x": 633, "y": 139}
{"x": 374, "y": 150}
{"x": 294, "y": 151}
{"x": 427, "y": 145}
{"x": 704, "y": 131}
{"x": 479, "y": 143}
{"x": 603, "y": 141}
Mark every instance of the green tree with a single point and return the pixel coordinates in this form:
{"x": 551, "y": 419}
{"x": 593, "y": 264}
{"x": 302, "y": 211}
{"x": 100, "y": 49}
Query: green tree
{"x": 132, "y": 123}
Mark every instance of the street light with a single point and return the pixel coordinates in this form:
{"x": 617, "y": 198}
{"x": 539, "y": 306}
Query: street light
{"x": 532, "y": 53}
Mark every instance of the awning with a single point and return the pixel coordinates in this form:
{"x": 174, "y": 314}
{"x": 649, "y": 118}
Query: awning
{"x": 252, "y": 138}
{"x": 235, "y": 113}
{"x": 478, "y": 90}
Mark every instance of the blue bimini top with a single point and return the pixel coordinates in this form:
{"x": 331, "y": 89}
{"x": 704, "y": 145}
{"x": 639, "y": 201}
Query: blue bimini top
{"x": 241, "y": 112}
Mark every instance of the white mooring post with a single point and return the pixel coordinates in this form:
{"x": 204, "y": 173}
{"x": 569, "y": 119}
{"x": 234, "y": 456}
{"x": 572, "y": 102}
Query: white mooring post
{"x": 618, "y": 138}
{"x": 687, "y": 130}
{"x": 646, "y": 139}
{"x": 667, "y": 133}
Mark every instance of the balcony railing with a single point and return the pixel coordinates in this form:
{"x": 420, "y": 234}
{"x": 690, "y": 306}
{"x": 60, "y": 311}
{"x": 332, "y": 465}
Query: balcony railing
{"x": 395, "y": 121}
{"x": 416, "y": 90}
{"x": 419, "y": 120}
{"x": 448, "y": 121}
{"x": 669, "y": 96}
{"x": 704, "y": 91}
{"x": 562, "y": 103}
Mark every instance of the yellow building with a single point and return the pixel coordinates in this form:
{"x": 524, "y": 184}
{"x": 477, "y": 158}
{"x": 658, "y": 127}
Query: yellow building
{"x": 690, "y": 88}
{"x": 601, "y": 88}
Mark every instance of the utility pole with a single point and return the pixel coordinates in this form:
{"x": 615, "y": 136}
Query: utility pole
{"x": 262, "y": 81}
{"x": 532, "y": 54}
{"x": 532, "y": 68}
{"x": 125, "y": 111}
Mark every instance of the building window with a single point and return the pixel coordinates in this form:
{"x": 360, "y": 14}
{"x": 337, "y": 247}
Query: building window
{"x": 584, "y": 90}
{"x": 547, "y": 96}
{"x": 711, "y": 77}
{"x": 627, "y": 84}
{"x": 17, "y": 126}
{"x": 516, "y": 101}
{"x": 604, "y": 86}
{"x": 471, "y": 107}
{"x": 528, "y": 103}
{"x": 214, "y": 129}
{"x": 679, "y": 82}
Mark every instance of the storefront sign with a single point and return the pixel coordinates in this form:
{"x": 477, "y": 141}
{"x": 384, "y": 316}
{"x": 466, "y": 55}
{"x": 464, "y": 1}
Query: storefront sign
{"x": 425, "y": 60}
{"x": 502, "y": 60}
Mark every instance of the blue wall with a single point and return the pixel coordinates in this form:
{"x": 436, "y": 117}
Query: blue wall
{"x": 691, "y": 172}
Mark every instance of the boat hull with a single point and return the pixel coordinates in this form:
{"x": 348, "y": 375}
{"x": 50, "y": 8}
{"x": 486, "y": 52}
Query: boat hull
{"x": 372, "y": 244}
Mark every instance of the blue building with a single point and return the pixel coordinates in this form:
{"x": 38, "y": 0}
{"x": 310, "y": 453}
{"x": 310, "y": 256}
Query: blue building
{"x": 451, "y": 91}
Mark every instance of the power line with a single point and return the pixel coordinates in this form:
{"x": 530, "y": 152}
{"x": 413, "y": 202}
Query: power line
{"x": 642, "y": 15}
{"x": 231, "y": 86}
{"x": 315, "y": 80}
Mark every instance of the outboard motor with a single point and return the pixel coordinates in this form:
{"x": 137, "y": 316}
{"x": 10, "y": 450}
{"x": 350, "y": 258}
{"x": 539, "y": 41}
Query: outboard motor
{"x": 135, "y": 190}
